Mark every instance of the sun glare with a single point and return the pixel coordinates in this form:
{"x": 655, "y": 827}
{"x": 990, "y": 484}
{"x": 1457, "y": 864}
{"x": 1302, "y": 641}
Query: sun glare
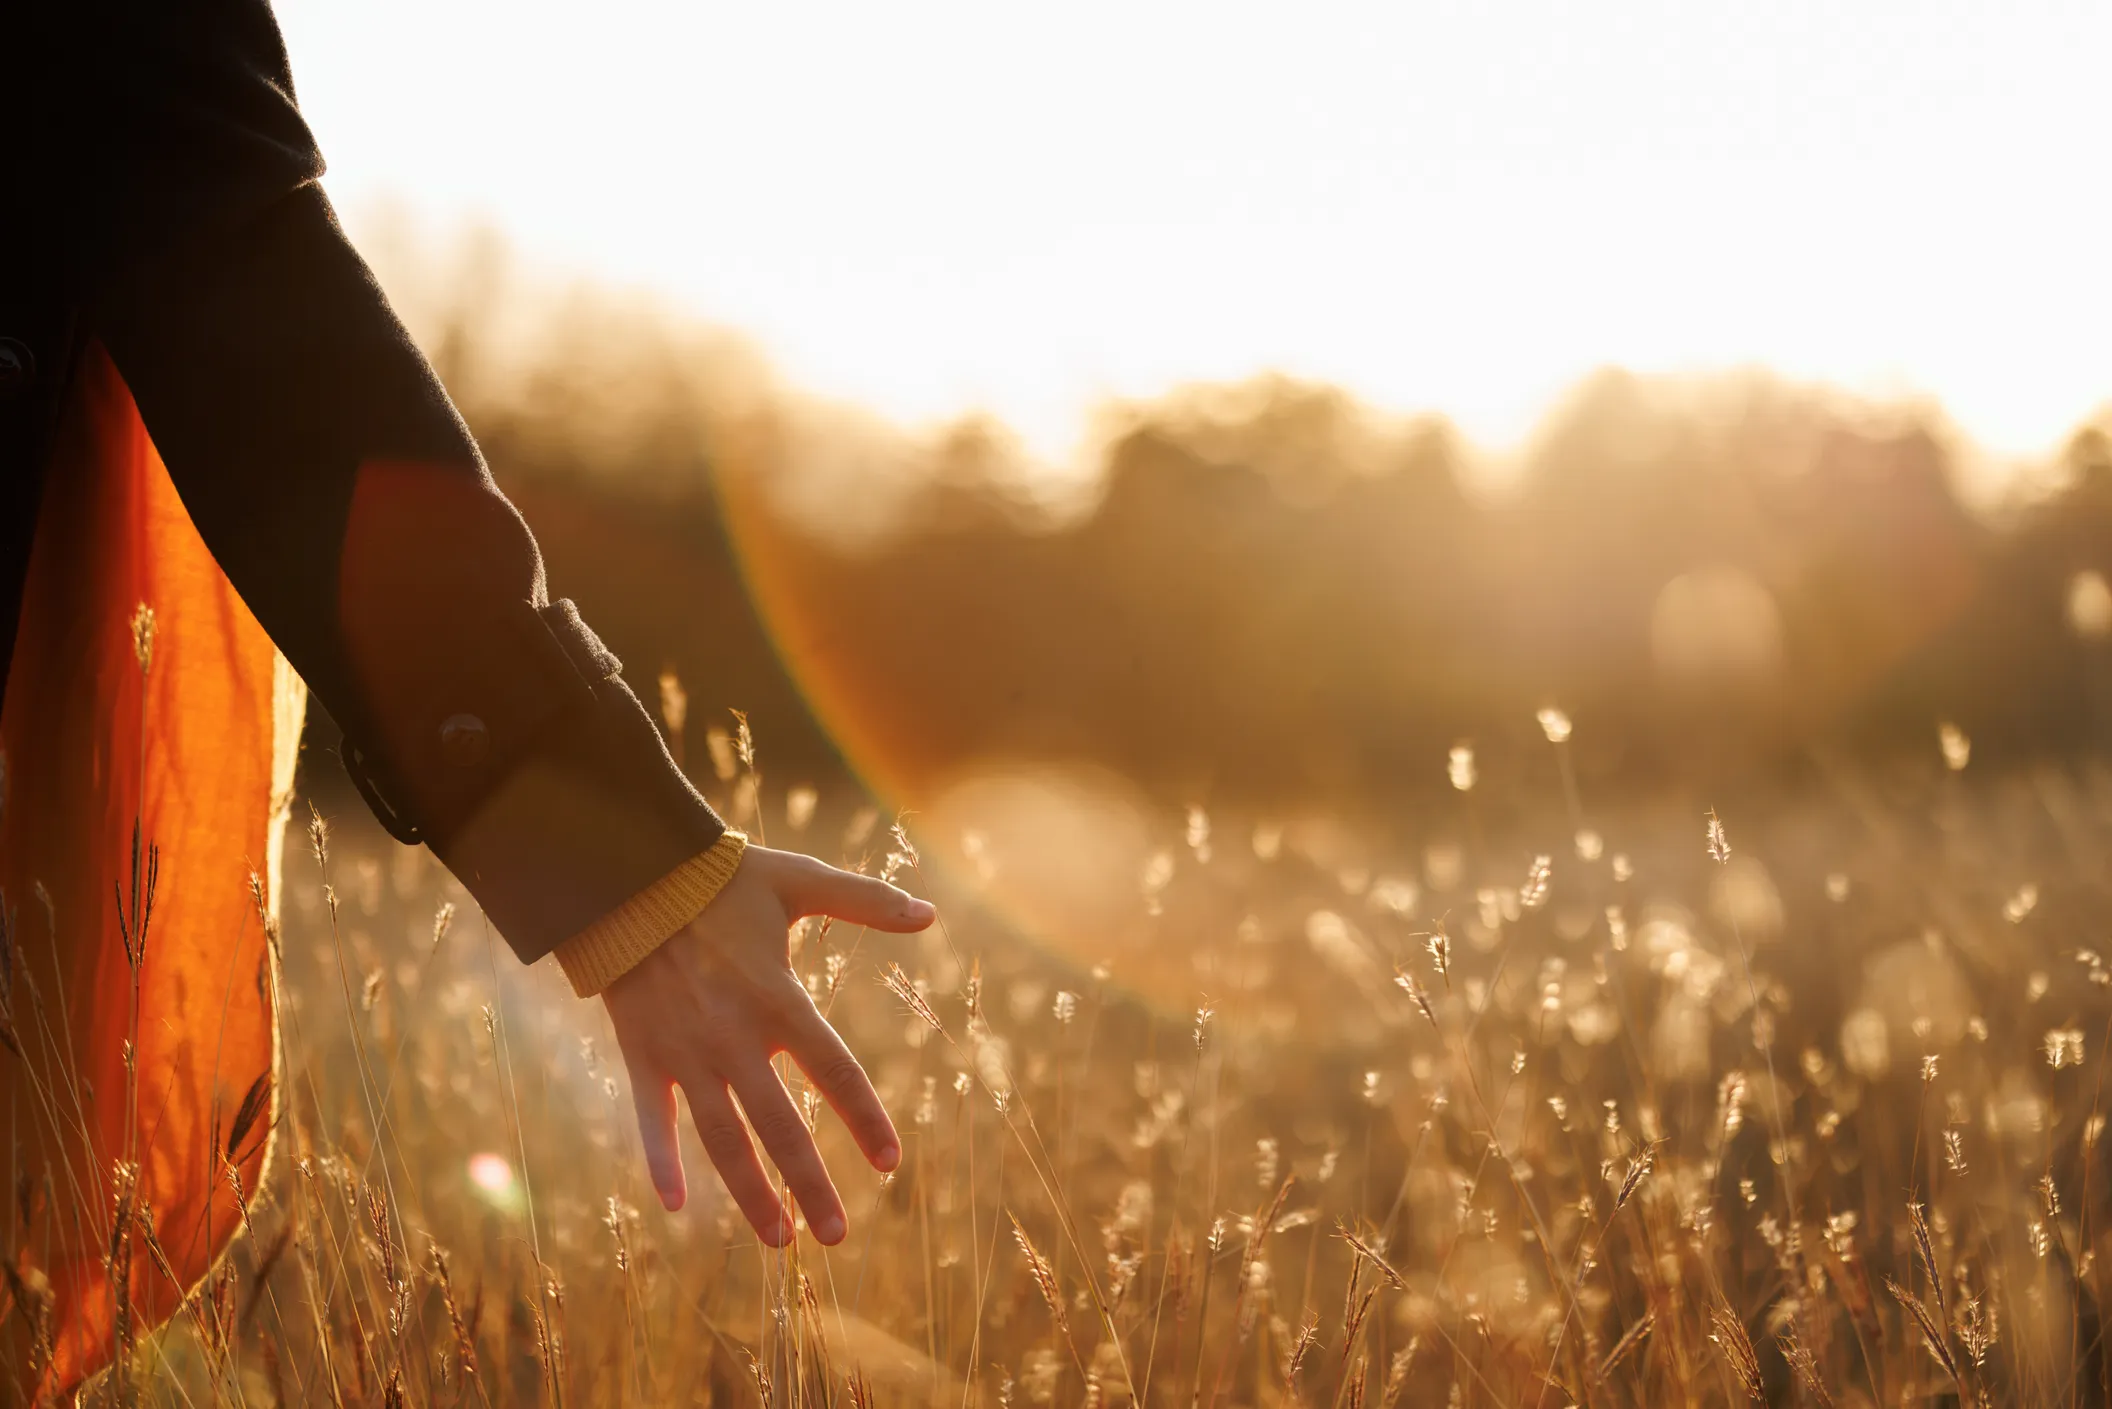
{"x": 932, "y": 207}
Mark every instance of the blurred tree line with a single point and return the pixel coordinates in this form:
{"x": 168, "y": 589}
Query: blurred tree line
{"x": 1273, "y": 592}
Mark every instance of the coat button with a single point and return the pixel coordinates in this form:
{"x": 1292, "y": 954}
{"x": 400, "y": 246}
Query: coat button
{"x": 465, "y": 742}
{"x": 18, "y": 367}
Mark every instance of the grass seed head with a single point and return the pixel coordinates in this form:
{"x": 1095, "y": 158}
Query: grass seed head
{"x": 1533, "y": 894}
{"x": 1459, "y": 768}
{"x": 1368, "y": 1253}
{"x": 674, "y": 702}
{"x": 1634, "y": 1336}
{"x": 1719, "y": 843}
{"x": 143, "y": 629}
{"x": 2063, "y": 1047}
{"x": 1957, "y": 748}
{"x": 898, "y": 983}
{"x": 1043, "y": 1273}
{"x": 1727, "y": 1330}
{"x": 1806, "y": 1368}
{"x": 1417, "y": 994}
{"x": 1638, "y": 1170}
{"x": 1439, "y": 943}
{"x": 1931, "y": 1334}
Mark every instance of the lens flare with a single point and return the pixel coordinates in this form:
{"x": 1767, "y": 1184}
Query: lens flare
{"x": 492, "y": 1176}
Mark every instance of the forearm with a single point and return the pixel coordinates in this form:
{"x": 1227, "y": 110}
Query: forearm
{"x": 271, "y": 374}
{"x": 340, "y": 491}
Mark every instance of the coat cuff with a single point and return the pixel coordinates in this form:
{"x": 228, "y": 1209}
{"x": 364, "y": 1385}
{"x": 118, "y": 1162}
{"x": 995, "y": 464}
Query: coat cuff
{"x": 585, "y": 810}
{"x": 619, "y": 941}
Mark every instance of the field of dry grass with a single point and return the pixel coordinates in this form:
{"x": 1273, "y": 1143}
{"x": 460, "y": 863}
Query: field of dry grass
{"x": 1526, "y": 1101}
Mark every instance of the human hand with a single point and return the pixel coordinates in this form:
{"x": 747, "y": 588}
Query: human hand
{"x": 707, "y": 1010}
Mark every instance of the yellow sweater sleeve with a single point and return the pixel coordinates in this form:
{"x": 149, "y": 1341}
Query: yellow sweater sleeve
{"x": 616, "y": 943}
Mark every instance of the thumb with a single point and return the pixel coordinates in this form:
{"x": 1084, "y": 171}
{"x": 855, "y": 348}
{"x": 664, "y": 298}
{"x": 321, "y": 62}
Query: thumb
{"x": 810, "y": 887}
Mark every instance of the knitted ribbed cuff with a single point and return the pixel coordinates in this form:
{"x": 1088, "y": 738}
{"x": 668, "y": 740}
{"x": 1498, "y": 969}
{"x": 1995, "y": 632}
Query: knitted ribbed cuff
{"x": 616, "y": 943}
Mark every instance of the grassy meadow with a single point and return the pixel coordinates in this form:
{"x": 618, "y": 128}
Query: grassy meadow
{"x": 1532, "y": 1099}
{"x": 1739, "y": 1040}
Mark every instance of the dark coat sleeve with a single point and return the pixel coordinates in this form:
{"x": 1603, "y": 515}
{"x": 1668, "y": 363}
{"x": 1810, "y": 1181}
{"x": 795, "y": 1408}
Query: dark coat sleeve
{"x": 172, "y": 196}
{"x": 137, "y": 123}
{"x": 334, "y": 482}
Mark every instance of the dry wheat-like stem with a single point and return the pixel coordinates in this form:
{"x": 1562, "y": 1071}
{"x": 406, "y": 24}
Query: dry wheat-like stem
{"x": 143, "y": 629}
{"x": 1719, "y": 842}
{"x": 462, "y": 1328}
{"x": 1806, "y": 1368}
{"x": 1044, "y": 1275}
{"x": 1367, "y": 1253}
{"x": 1638, "y": 1170}
{"x": 1931, "y": 1334}
{"x": 899, "y": 984}
{"x": 1439, "y": 943}
{"x": 1301, "y": 1348}
{"x": 1353, "y": 1319}
{"x": 1626, "y": 1346}
{"x": 1925, "y": 1253}
{"x": 1397, "y": 1371}
{"x": 1417, "y": 994}
{"x": 1728, "y": 1331}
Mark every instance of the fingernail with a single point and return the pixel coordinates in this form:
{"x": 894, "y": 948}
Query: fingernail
{"x": 921, "y": 911}
{"x": 887, "y": 1158}
{"x": 830, "y": 1229}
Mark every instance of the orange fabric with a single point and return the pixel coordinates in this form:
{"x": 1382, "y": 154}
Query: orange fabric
{"x": 198, "y": 748}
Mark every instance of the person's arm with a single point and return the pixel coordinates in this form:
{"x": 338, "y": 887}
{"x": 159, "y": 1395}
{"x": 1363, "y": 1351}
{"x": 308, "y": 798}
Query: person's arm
{"x": 327, "y": 470}
{"x": 334, "y": 482}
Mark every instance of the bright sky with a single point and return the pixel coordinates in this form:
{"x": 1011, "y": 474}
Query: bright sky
{"x": 928, "y": 207}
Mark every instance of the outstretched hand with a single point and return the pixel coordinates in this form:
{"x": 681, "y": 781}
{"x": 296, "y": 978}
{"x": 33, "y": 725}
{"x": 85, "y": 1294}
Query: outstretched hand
{"x": 708, "y": 1010}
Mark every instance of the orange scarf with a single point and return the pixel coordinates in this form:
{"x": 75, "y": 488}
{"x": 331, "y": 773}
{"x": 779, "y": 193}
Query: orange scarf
{"x": 142, "y": 693}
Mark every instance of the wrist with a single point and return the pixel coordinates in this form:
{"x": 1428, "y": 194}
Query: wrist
{"x": 619, "y": 941}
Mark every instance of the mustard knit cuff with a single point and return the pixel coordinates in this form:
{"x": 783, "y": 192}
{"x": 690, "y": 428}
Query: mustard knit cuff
{"x": 617, "y": 942}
